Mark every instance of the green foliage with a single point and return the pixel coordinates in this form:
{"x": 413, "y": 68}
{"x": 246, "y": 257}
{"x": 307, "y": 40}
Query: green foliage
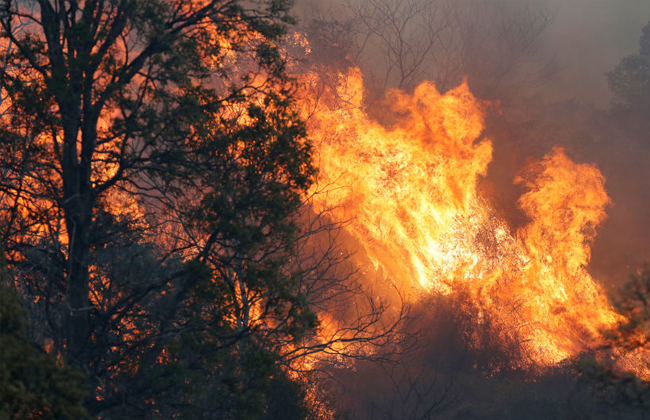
{"x": 285, "y": 399}
{"x": 33, "y": 384}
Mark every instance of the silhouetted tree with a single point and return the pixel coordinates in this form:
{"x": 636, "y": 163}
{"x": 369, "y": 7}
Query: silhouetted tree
{"x": 33, "y": 384}
{"x": 630, "y": 80}
{"x": 630, "y": 84}
{"x": 152, "y": 174}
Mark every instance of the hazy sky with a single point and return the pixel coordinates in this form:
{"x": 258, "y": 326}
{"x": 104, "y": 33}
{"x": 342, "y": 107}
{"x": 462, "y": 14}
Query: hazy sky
{"x": 587, "y": 39}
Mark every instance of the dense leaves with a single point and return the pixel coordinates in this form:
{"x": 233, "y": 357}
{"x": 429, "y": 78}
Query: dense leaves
{"x": 151, "y": 173}
{"x": 33, "y": 384}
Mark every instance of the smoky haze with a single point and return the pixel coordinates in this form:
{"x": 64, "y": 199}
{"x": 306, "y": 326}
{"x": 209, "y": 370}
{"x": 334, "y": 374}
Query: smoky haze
{"x": 588, "y": 38}
{"x": 585, "y": 39}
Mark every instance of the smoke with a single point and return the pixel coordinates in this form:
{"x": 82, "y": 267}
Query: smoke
{"x": 587, "y": 39}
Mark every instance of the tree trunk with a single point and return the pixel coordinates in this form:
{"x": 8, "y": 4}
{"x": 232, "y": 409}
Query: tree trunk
{"x": 78, "y": 202}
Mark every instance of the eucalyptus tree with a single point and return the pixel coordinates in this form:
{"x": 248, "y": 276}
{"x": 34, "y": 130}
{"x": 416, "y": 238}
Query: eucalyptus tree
{"x": 152, "y": 173}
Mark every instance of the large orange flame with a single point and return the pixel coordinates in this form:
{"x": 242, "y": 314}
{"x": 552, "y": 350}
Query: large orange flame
{"x": 409, "y": 191}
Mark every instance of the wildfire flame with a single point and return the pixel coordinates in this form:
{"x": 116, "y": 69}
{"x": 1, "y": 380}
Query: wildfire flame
{"x": 408, "y": 188}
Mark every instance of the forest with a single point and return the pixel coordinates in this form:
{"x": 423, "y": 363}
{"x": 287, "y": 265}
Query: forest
{"x": 354, "y": 210}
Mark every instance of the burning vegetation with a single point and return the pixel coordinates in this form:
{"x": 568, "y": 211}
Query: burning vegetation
{"x": 410, "y": 191}
{"x": 202, "y": 220}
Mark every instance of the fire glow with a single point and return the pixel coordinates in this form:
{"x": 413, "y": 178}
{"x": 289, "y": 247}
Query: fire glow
{"x": 408, "y": 191}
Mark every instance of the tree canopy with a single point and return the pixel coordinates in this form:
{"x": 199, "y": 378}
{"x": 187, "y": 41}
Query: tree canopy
{"x": 152, "y": 170}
